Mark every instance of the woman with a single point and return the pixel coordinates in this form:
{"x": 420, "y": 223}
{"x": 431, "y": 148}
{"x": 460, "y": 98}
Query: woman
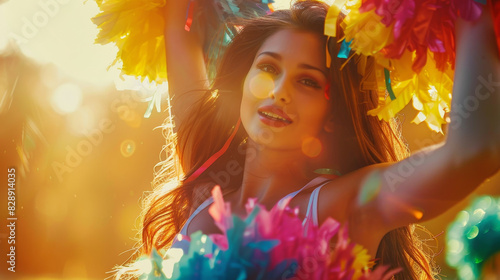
{"x": 298, "y": 116}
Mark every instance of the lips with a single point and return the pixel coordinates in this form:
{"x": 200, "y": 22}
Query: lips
{"x": 274, "y": 116}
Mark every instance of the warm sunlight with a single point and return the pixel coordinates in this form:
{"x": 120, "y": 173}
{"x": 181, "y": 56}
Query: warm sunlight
{"x": 61, "y": 32}
{"x": 58, "y": 32}
{"x": 101, "y": 171}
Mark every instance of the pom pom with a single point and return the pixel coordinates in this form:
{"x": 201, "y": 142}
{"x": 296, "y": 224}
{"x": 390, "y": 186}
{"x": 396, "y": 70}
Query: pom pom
{"x": 271, "y": 244}
{"x": 413, "y": 43}
{"x": 136, "y": 28}
{"x": 430, "y": 91}
{"x": 473, "y": 238}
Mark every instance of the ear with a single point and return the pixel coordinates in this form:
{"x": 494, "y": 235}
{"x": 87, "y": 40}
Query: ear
{"x": 329, "y": 124}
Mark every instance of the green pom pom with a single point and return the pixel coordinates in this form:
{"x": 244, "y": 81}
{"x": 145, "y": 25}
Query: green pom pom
{"x": 474, "y": 237}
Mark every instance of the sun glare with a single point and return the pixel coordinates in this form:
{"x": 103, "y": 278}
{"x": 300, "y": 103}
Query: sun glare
{"x": 59, "y": 32}
{"x": 66, "y": 98}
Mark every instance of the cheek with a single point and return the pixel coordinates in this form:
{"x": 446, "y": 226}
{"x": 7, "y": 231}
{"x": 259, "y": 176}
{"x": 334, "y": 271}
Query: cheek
{"x": 316, "y": 111}
{"x": 247, "y": 106}
{"x": 256, "y": 88}
{"x": 244, "y": 108}
{"x": 260, "y": 85}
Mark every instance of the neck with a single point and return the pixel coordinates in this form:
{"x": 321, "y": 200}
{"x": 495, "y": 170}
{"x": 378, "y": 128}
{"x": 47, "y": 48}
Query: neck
{"x": 270, "y": 174}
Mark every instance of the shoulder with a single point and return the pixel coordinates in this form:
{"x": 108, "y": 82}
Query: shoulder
{"x": 349, "y": 199}
{"x": 348, "y": 191}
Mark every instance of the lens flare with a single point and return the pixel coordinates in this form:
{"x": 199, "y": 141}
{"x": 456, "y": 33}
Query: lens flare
{"x": 472, "y": 233}
{"x": 127, "y": 148}
{"x": 370, "y": 188}
{"x": 66, "y": 98}
{"x": 455, "y": 246}
{"x": 261, "y": 85}
{"x": 311, "y": 147}
{"x": 405, "y": 207}
{"x": 477, "y": 216}
{"x": 462, "y": 218}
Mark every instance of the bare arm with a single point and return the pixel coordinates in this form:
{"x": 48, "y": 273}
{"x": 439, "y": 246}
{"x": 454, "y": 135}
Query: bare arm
{"x": 185, "y": 60}
{"x": 387, "y": 196}
{"x": 427, "y": 184}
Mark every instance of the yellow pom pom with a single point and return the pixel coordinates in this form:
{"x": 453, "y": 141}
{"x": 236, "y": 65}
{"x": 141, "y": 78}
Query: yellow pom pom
{"x": 136, "y": 27}
{"x": 366, "y": 30}
{"x": 362, "y": 261}
{"x": 430, "y": 90}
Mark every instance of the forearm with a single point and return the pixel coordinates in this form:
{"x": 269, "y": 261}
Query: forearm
{"x": 186, "y": 68}
{"x": 475, "y": 112}
{"x": 428, "y": 183}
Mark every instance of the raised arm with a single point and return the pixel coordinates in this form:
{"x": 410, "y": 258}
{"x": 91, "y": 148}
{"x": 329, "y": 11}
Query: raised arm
{"x": 427, "y": 184}
{"x": 382, "y": 197}
{"x": 186, "y": 67}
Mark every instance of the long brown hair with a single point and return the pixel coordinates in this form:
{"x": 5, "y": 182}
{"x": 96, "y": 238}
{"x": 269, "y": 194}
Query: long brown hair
{"x": 212, "y": 119}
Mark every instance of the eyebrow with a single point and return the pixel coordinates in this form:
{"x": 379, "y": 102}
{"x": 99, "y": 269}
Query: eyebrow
{"x": 302, "y": 65}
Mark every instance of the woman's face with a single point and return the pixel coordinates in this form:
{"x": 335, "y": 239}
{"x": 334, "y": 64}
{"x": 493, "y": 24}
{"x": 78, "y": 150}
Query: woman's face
{"x": 284, "y": 104}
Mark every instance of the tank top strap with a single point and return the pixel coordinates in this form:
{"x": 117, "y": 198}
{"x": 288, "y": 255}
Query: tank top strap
{"x": 321, "y": 180}
{"x": 313, "y": 183}
{"x": 312, "y": 206}
{"x": 200, "y": 208}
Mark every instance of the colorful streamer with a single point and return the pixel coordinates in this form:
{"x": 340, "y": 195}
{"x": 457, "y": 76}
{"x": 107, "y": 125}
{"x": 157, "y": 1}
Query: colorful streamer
{"x": 413, "y": 41}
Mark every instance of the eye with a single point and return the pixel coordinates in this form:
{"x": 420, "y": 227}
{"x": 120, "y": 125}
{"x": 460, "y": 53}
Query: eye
{"x": 310, "y": 83}
{"x": 268, "y": 68}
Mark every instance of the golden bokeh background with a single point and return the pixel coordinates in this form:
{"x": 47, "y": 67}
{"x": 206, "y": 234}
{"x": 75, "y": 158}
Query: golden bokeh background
{"x": 83, "y": 151}
{"x": 79, "y": 175}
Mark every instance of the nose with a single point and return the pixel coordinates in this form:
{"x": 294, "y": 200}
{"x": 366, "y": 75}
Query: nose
{"x": 281, "y": 92}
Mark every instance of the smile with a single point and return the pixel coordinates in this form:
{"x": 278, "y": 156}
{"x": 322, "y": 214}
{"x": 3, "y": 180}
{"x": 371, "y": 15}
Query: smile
{"x": 273, "y": 116}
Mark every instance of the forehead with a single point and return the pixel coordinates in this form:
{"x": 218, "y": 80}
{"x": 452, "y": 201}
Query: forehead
{"x": 300, "y": 46}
